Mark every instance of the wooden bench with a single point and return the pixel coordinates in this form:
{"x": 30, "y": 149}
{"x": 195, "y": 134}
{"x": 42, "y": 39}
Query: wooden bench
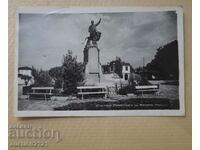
{"x": 41, "y": 93}
{"x": 146, "y": 89}
{"x": 92, "y": 90}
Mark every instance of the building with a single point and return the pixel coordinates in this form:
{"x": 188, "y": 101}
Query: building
{"x": 121, "y": 68}
{"x": 114, "y": 66}
{"x": 109, "y": 67}
{"x": 25, "y": 79}
{"x": 27, "y": 71}
{"x": 126, "y": 71}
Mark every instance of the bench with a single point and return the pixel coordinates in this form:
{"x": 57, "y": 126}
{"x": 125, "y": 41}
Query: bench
{"x": 41, "y": 93}
{"x": 146, "y": 89}
{"x": 92, "y": 90}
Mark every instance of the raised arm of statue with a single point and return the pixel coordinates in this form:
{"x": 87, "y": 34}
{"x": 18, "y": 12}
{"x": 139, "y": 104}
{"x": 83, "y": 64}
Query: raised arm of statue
{"x": 98, "y": 22}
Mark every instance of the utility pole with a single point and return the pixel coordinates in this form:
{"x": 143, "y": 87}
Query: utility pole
{"x": 143, "y": 68}
{"x": 143, "y": 62}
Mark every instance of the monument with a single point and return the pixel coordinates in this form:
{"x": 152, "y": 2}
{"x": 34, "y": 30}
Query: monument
{"x": 94, "y": 84}
{"x": 91, "y": 52}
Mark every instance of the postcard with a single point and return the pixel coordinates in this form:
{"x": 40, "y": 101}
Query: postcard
{"x": 99, "y": 61}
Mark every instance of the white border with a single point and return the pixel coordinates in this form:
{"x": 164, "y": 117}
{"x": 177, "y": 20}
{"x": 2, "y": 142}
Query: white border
{"x": 195, "y": 75}
{"x": 75, "y": 10}
{"x": 4, "y": 74}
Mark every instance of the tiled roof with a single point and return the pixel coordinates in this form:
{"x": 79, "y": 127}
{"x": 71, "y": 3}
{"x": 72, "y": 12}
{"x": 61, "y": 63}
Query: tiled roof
{"x": 24, "y": 68}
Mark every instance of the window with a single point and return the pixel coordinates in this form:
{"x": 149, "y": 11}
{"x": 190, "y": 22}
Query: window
{"x": 126, "y": 68}
{"x": 126, "y": 77}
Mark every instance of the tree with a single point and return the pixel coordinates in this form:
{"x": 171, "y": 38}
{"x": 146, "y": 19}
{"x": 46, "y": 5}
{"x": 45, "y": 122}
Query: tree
{"x": 72, "y": 73}
{"x": 26, "y": 78}
{"x": 118, "y": 66}
{"x": 57, "y": 74}
{"x": 165, "y": 63}
{"x": 41, "y": 78}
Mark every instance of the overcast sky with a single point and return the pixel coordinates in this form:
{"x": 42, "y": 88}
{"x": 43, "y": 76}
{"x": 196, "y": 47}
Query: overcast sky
{"x": 44, "y": 39}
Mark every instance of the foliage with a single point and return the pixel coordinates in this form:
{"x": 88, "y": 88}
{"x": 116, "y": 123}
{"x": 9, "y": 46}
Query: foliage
{"x": 72, "y": 73}
{"x": 118, "y": 67}
{"x": 144, "y": 81}
{"x": 26, "y": 78}
{"x": 67, "y": 76}
{"x": 126, "y": 89}
{"x": 165, "y": 63}
{"x": 136, "y": 79}
{"x": 57, "y": 74}
{"x": 133, "y": 79}
{"x": 41, "y": 78}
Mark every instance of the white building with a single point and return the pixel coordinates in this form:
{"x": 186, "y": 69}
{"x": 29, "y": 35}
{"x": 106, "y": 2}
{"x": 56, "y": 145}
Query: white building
{"x": 25, "y": 76}
{"x": 126, "y": 70}
{"x": 25, "y": 71}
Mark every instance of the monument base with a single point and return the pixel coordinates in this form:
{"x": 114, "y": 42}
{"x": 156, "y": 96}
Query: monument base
{"x": 93, "y": 71}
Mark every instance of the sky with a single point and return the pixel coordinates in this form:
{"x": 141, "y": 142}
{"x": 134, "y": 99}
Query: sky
{"x": 132, "y": 36}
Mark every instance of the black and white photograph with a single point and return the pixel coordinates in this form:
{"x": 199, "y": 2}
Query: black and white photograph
{"x": 108, "y": 61}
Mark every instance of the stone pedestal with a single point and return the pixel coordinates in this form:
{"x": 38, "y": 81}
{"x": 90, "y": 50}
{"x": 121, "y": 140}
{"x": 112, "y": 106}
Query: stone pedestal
{"x": 93, "y": 70}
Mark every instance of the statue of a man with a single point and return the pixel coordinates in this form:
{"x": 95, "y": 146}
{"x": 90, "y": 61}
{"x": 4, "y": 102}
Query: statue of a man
{"x": 94, "y": 37}
{"x": 94, "y": 34}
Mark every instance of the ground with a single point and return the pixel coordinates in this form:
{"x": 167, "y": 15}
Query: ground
{"x": 167, "y": 98}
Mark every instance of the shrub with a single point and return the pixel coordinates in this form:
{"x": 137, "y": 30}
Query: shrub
{"x": 125, "y": 90}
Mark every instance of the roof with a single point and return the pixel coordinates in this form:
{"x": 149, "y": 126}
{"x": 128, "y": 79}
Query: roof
{"x": 24, "y": 68}
{"x": 126, "y": 64}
